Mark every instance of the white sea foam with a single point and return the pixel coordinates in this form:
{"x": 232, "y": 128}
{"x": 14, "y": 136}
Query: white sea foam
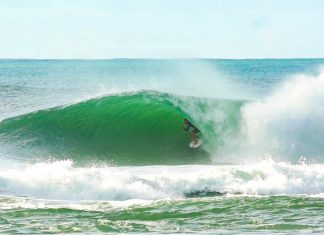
{"x": 290, "y": 122}
{"x": 62, "y": 181}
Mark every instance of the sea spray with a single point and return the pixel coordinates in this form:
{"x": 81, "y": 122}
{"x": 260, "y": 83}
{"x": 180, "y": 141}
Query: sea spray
{"x": 290, "y": 121}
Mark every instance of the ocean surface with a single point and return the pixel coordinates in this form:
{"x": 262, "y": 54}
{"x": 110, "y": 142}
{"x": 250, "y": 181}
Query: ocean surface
{"x": 97, "y": 146}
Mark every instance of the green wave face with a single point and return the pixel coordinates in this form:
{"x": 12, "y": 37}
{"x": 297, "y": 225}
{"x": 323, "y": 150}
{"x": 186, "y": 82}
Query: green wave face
{"x": 126, "y": 129}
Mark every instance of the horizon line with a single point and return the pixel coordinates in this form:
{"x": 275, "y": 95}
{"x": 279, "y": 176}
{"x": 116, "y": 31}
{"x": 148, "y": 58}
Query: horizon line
{"x": 162, "y": 58}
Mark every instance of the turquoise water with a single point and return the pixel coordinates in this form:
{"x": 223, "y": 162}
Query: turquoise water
{"x": 91, "y": 146}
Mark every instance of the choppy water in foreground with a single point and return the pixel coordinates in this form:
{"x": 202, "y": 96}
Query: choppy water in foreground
{"x": 223, "y": 215}
{"x": 97, "y": 146}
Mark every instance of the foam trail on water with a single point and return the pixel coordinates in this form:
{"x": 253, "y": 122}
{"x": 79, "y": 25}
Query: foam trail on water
{"x": 61, "y": 180}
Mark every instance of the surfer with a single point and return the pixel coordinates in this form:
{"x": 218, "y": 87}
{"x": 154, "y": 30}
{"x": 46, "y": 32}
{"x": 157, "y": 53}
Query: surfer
{"x": 194, "y": 130}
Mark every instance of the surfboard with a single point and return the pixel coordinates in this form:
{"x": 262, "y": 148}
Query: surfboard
{"x": 194, "y": 145}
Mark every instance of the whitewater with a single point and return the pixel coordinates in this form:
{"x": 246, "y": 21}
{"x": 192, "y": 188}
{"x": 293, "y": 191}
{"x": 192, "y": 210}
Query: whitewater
{"x": 90, "y": 146}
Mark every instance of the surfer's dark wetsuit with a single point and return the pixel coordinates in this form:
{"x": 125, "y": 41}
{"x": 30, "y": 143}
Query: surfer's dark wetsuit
{"x": 194, "y": 130}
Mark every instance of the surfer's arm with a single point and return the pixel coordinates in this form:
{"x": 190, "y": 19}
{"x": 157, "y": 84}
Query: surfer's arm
{"x": 186, "y": 127}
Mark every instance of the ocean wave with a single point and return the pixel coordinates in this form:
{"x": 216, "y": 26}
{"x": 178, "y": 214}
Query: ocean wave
{"x": 62, "y": 180}
{"x": 129, "y": 128}
{"x": 144, "y": 128}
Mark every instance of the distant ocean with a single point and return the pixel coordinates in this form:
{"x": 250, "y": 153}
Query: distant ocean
{"x": 91, "y": 146}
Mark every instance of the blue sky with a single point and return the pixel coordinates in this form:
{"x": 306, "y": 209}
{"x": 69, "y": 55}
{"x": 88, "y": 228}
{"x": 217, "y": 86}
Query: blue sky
{"x": 161, "y": 28}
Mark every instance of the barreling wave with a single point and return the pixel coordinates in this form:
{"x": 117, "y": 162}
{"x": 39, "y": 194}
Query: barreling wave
{"x": 144, "y": 128}
{"x": 125, "y": 129}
